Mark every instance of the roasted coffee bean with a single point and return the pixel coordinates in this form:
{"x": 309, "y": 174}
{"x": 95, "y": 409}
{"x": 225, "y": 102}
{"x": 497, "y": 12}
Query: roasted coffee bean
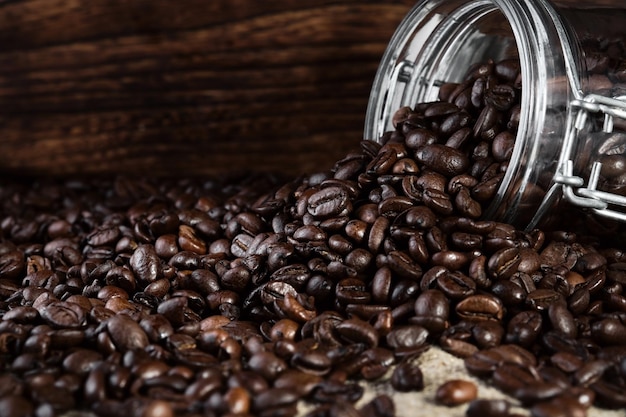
{"x": 63, "y": 314}
{"x": 560, "y": 406}
{"x": 480, "y": 307}
{"x": 508, "y": 292}
{"x": 504, "y": 263}
{"x": 487, "y": 333}
{"x": 407, "y": 377}
{"x": 456, "y": 285}
{"x": 145, "y": 263}
{"x": 590, "y": 372}
{"x": 609, "y": 331}
{"x": 538, "y": 391}
{"x": 541, "y": 299}
{"x": 125, "y": 333}
{"x": 408, "y": 337}
{"x": 358, "y": 331}
{"x": 328, "y": 202}
{"x": 443, "y": 160}
{"x": 511, "y": 377}
{"x": 524, "y": 328}
{"x": 403, "y": 265}
{"x": 455, "y": 392}
{"x": 488, "y": 408}
{"x": 562, "y": 319}
{"x": 432, "y": 310}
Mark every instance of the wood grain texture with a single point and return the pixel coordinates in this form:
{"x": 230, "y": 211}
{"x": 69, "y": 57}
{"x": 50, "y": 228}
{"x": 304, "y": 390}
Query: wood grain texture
{"x": 186, "y": 87}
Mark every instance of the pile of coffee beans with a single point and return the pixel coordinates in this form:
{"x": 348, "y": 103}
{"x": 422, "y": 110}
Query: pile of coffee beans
{"x": 248, "y": 295}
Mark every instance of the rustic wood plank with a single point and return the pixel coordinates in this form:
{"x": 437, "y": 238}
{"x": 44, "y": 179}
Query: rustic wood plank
{"x": 187, "y": 86}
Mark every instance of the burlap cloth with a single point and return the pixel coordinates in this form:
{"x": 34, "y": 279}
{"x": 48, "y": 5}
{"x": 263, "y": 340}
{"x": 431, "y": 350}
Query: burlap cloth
{"x": 438, "y": 367}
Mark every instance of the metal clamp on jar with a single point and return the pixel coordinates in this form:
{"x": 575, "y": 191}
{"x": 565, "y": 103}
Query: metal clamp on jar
{"x": 570, "y": 146}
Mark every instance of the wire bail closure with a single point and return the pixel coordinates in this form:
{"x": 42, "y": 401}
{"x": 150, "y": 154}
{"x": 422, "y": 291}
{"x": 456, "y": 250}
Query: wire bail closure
{"x": 572, "y": 186}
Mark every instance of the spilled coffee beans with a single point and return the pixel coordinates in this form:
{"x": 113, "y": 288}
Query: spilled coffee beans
{"x": 249, "y": 294}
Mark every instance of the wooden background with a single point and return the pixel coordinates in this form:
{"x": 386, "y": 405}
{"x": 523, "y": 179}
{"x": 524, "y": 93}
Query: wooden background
{"x": 186, "y": 87}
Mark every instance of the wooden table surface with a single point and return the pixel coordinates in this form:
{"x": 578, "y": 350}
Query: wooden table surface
{"x": 186, "y": 87}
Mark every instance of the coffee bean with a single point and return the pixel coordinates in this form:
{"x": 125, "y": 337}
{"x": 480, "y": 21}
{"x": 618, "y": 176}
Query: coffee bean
{"x": 407, "y": 377}
{"x": 16, "y": 406}
{"x": 403, "y": 265}
{"x": 456, "y": 285}
{"x": 488, "y": 408}
{"x": 524, "y": 328}
{"x": 327, "y": 202}
{"x": 480, "y": 307}
{"x": 358, "y": 331}
{"x": 145, "y": 263}
{"x": 432, "y": 310}
{"x": 444, "y": 160}
{"x": 538, "y": 391}
{"x": 408, "y": 336}
{"x": 560, "y": 406}
{"x": 63, "y": 314}
{"x": 455, "y": 392}
{"x": 126, "y": 333}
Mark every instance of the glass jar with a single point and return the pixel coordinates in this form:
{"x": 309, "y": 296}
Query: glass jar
{"x": 570, "y": 143}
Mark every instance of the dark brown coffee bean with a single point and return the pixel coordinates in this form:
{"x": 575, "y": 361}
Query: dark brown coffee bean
{"x": 538, "y": 391}
{"x": 302, "y": 383}
{"x": 608, "y": 331}
{"x": 508, "y": 292}
{"x": 485, "y": 190}
{"x": 524, "y": 328}
{"x": 504, "y": 263}
{"x": 408, "y": 336}
{"x": 166, "y": 246}
{"x": 328, "y": 202}
{"x": 480, "y": 307}
{"x": 391, "y": 207}
{"x": 541, "y": 299}
{"x": 383, "y": 162}
{"x": 610, "y": 394}
{"x": 565, "y": 361}
{"x": 590, "y": 372}
{"x": 358, "y": 331}
{"x": 63, "y": 314}
{"x": 484, "y": 335}
{"x": 488, "y": 408}
{"x": 452, "y": 260}
{"x": 456, "y": 392}
{"x": 126, "y": 333}
{"x": 145, "y": 263}
{"x": 312, "y": 362}
{"x": 432, "y": 309}
{"x": 511, "y": 377}
{"x": 443, "y": 160}
{"x": 416, "y": 138}
{"x": 402, "y": 264}
{"x": 16, "y": 406}
{"x": 438, "y": 201}
{"x": 562, "y": 319}
{"x": 456, "y": 285}
{"x": 560, "y": 406}
{"x": 407, "y": 377}
{"x": 12, "y": 264}
{"x": 81, "y": 361}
